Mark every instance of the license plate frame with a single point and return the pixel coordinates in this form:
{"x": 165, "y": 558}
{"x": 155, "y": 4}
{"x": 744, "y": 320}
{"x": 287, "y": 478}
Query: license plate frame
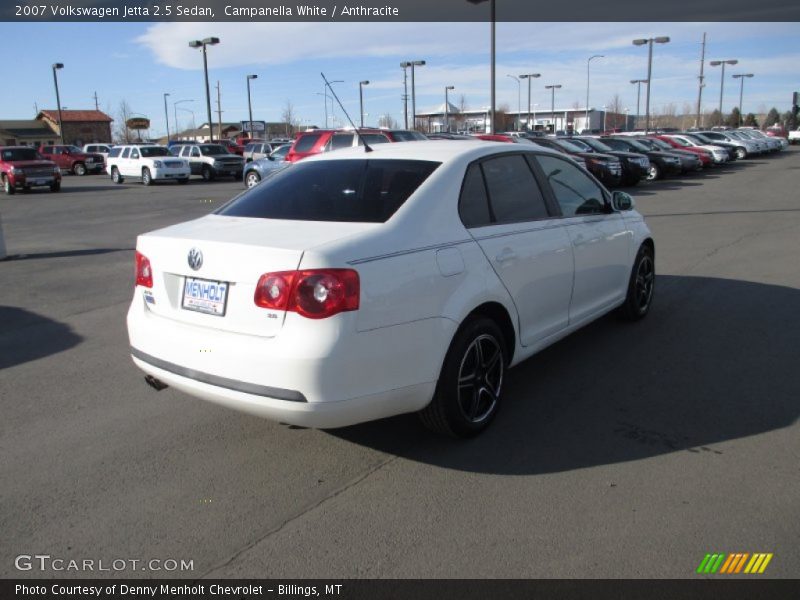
{"x": 199, "y": 305}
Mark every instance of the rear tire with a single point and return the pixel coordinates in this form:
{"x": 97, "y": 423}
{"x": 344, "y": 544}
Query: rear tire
{"x": 654, "y": 172}
{"x": 183, "y": 180}
{"x": 468, "y": 392}
{"x": 641, "y": 286}
{"x": 741, "y": 153}
{"x": 8, "y": 187}
{"x": 79, "y": 169}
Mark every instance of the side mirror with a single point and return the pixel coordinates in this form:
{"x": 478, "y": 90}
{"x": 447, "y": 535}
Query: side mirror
{"x": 622, "y": 201}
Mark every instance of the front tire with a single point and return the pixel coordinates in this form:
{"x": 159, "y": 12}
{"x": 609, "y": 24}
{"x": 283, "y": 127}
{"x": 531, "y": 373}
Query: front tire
{"x": 56, "y": 187}
{"x": 252, "y": 179}
{"x": 207, "y": 174}
{"x": 79, "y": 169}
{"x": 467, "y": 394}
{"x": 147, "y": 178}
{"x": 641, "y": 286}
{"x": 115, "y": 176}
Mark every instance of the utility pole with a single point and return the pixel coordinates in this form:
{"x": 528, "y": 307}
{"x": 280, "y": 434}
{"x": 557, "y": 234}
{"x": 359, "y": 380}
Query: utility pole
{"x": 219, "y": 111}
{"x": 96, "y": 103}
{"x": 700, "y": 78}
{"x": 405, "y": 96}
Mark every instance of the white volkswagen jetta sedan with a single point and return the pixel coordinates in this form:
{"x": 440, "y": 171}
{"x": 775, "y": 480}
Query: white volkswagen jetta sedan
{"x": 358, "y": 285}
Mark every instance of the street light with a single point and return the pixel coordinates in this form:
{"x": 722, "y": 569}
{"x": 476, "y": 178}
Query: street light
{"x": 447, "y": 106}
{"x": 56, "y": 67}
{"x": 638, "y": 83}
{"x": 492, "y": 44}
{"x": 519, "y": 95}
{"x": 604, "y": 117}
{"x": 175, "y": 112}
{"x": 529, "y": 76}
{"x": 361, "y": 85}
{"x": 716, "y": 63}
{"x": 649, "y": 42}
{"x": 535, "y": 104}
{"x": 166, "y": 114}
{"x": 626, "y": 118}
{"x": 191, "y": 112}
{"x": 412, "y": 64}
{"x": 249, "y": 104}
{"x": 589, "y": 62}
{"x": 741, "y": 77}
{"x": 553, "y": 89}
{"x": 209, "y": 41}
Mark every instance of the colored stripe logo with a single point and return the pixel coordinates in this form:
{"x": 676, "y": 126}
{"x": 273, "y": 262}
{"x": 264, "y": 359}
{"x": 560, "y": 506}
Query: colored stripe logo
{"x": 737, "y": 562}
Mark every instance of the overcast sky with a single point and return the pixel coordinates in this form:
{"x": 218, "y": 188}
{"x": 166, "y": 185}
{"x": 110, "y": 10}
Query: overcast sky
{"x": 138, "y": 62}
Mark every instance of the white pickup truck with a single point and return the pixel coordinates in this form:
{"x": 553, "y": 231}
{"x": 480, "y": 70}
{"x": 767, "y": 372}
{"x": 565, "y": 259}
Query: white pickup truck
{"x": 794, "y": 136}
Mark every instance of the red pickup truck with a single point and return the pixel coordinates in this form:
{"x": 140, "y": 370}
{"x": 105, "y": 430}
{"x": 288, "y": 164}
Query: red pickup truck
{"x": 74, "y": 160}
{"x": 22, "y": 167}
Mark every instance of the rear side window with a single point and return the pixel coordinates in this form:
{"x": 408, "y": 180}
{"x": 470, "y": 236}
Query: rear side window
{"x": 341, "y": 140}
{"x": 473, "y": 206}
{"x": 357, "y": 191}
{"x": 514, "y": 194}
{"x": 576, "y": 193}
{"x": 372, "y": 139}
{"x": 114, "y": 152}
{"x": 126, "y": 153}
{"x": 306, "y": 142}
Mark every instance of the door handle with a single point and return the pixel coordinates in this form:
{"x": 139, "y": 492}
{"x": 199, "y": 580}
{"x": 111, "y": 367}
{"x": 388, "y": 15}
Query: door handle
{"x": 506, "y": 254}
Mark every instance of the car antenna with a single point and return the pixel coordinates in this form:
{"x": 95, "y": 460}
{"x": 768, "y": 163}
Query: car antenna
{"x": 358, "y": 133}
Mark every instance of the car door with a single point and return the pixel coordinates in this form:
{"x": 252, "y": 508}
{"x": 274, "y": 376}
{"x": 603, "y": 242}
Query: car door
{"x": 525, "y": 242}
{"x": 601, "y": 240}
{"x": 124, "y": 162}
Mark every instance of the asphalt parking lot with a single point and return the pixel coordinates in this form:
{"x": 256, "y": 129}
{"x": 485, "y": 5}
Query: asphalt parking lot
{"x": 626, "y": 450}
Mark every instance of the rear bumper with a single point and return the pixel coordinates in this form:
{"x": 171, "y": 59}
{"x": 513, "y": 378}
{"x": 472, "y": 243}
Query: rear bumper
{"x": 311, "y": 373}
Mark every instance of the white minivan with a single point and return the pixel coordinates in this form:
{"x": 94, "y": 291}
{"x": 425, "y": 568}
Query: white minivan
{"x": 146, "y": 162}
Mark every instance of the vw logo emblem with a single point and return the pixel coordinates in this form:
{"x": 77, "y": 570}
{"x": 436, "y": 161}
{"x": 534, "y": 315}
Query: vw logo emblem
{"x": 195, "y": 259}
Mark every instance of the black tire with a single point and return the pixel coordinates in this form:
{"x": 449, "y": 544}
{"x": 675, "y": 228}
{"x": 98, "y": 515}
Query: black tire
{"x": 252, "y": 179}
{"x": 741, "y": 153}
{"x": 147, "y": 178}
{"x": 641, "y": 286}
{"x": 115, "y": 176}
{"x": 654, "y": 172}
{"x": 8, "y": 188}
{"x": 183, "y": 180}
{"x": 207, "y": 173}
{"x": 477, "y": 353}
{"x": 79, "y": 169}
{"x": 56, "y": 187}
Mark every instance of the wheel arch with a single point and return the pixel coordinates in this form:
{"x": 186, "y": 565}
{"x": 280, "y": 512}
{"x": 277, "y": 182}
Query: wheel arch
{"x": 498, "y": 313}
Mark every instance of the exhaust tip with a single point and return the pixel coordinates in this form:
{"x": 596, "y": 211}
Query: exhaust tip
{"x": 154, "y": 383}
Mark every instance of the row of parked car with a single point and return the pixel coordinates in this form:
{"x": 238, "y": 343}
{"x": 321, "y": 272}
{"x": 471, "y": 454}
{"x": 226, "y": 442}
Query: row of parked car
{"x": 618, "y": 159}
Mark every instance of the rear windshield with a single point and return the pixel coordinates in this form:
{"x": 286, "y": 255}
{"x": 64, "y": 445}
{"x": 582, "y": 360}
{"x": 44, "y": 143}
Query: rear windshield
{"x": 306, "y": 142}
{"x": 595, "y": 144}
{"x": 154, "y": 151}
{"x": 408, "y": 136}
{"x": 355, "y": 191}
{"x": 10, "y": 154}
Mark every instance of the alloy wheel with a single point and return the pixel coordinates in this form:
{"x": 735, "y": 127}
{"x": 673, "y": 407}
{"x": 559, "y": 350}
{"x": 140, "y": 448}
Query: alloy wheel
{"x": 480, "y": 378}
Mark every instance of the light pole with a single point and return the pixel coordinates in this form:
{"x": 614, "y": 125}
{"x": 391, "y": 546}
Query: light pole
{"x": 209, "y": 41}
{"x": 741, "y": 78}
{"x": 649, "y": 42}
{"x": 519, "y": 96}
{"x": 638, "y": 83}
{"x": 716, "y": 63}
{"x": 447, "y": 88}
{"x": 325, "y": 102}
{"x": 589, "y": 62}
{"x": 553, "y": 89}
{"x": 626, "y": 118}
{"x": 535, "y": 104}
{"x": 166, "y": 114}
{"x": 529, "y": 76}
{"x": 56, "y": 67}
{"x": 175, "y": 112}
{"x": 492, "y": 44}
{"x": 412, "y": 64}
{"x": 250, "y": 105}
{"x": 191, "y": 112}
{"x": 604, "y": 117}
{"x": 361, "y": 85}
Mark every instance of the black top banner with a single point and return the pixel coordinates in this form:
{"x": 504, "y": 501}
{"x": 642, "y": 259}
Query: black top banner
{"x": 401, "y": 10}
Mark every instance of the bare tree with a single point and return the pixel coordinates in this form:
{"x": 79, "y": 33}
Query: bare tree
{"x": 289, "y": 118}
{"x": 387, "y": 121}
{"x": 122, "y": 133}
{"x": 614, "y": 109}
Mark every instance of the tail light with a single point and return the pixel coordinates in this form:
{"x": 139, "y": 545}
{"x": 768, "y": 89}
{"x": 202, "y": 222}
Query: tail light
{"x": 144, "y": 273}
{"x": 314, "y": 294}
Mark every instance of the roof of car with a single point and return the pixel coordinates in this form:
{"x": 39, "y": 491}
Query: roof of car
{"x": 433, "y": 150}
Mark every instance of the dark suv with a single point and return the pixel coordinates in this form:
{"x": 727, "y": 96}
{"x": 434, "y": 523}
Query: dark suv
{"x": 605, "y": 167}
{"x": 635, "y": 165}
{"x": 661, "y": 163}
